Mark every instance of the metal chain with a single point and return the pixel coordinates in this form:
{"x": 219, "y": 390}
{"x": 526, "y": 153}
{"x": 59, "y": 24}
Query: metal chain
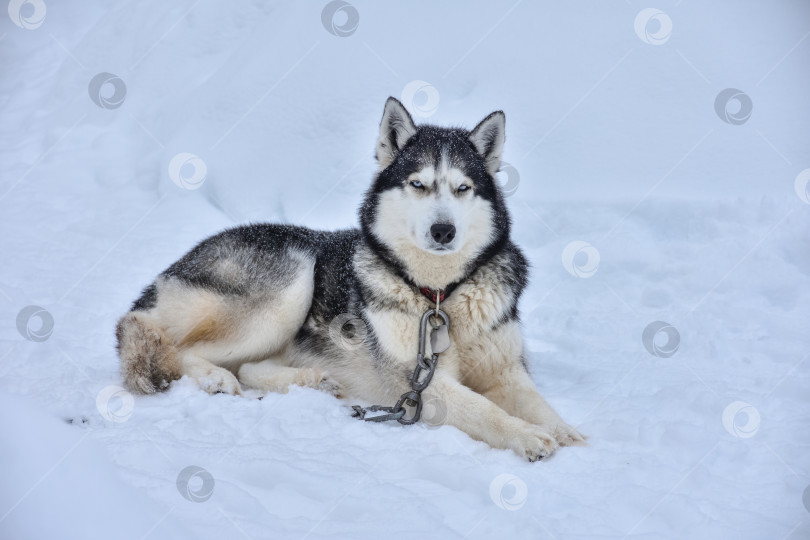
{"x": 419, "y": 382}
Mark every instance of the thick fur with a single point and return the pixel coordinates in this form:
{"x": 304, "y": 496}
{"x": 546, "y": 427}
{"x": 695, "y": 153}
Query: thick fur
{"x": 270, "y": 306}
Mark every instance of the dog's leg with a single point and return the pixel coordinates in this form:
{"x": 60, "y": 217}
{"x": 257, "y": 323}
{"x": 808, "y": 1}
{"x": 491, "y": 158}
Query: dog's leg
{"x": 466, "y": 408}
{"x": 211, "y": 378}
{"x": 485, "y": 421}
{"x": 198, "y": 331}
{"x": 269, "y": 376}
{"x": 495, "y": 370}
{"x": 515, "y": 393}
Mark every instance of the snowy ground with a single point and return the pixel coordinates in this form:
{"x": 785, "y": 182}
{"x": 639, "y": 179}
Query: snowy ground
{"x": 617, "y": 142}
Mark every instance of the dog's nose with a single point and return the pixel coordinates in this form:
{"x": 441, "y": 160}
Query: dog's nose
{"x": 443, "y": 233}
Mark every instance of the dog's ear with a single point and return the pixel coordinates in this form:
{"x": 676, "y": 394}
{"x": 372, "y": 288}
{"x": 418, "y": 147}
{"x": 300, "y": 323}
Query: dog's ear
{"x": 488, "y": 138}
{"x": 396, "y": 128}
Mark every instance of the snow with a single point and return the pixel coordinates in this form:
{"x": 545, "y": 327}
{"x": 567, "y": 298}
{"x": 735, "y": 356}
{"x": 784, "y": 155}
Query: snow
{"x": 686, "y": 219}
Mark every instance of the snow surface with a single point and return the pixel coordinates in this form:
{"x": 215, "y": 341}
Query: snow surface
{"x": 695, "y": 222}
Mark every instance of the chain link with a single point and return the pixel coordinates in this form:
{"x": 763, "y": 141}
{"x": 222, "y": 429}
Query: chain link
{"x": 422, "y": 375}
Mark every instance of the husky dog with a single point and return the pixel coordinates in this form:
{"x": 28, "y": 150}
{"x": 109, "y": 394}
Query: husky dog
{"x": 259, "y": 304}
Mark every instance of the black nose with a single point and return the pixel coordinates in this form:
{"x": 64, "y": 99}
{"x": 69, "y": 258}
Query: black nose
{"x": 443, "y": 233}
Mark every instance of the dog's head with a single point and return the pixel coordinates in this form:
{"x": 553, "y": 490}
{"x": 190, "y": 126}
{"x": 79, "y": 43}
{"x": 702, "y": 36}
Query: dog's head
{"x": 435, "y": 207}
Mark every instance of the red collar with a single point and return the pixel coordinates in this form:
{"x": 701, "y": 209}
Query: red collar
{"x": 431, "y": 295}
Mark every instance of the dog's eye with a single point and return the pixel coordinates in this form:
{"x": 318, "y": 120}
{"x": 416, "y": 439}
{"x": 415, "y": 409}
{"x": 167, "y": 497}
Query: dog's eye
{"x": 417, "y": 184}
{"x": 463, "y": 187}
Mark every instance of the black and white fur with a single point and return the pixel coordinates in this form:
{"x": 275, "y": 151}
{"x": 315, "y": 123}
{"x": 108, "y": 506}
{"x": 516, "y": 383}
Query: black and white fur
{"x": 264, "y": 305}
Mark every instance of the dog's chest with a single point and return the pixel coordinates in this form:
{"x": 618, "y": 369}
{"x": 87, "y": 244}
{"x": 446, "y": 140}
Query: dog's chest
{"x": 473, "y": 312}
{"x": 477, "y": 305}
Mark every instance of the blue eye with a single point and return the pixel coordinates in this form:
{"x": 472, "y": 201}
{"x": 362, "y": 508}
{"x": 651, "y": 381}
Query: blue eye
{"x": 463, "y": 187}
{"x": 417, "y": 184}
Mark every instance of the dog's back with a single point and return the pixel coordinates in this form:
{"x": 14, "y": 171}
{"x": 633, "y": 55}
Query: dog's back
{"x": 241, "y": 295}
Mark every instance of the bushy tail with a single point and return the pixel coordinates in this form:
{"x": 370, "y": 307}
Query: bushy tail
{"x": 148, "y": 358}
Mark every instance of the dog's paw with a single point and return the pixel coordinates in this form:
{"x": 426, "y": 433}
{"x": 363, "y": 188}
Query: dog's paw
{"x": 569, "y": 436}
{"x": 329, "y": 385}
{"x": 319, "y": 380}
{"x": 219, "y": 381}
{"x": 533, "y": 443}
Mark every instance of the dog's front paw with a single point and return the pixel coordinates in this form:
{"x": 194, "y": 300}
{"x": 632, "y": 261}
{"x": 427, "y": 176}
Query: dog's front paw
{"x": 329, "y": 385}
{"x": 219, "y": 381}
{"x": 533, "y": 443}
{"x": 568, "y": 436}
